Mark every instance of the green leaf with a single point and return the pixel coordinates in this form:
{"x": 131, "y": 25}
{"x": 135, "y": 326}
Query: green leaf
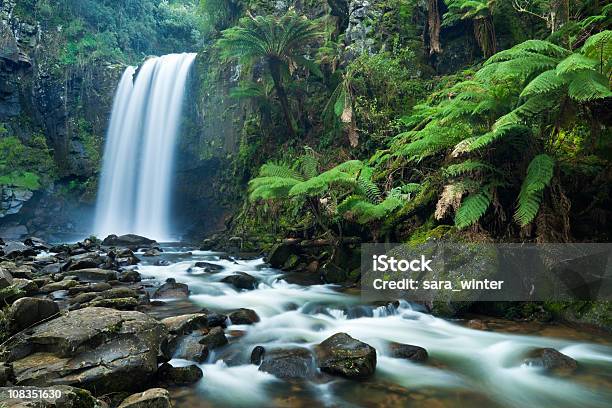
{"x": 472, "y": 209}
{"x": 539, "y": 175}
{"x": 547, "y": 81}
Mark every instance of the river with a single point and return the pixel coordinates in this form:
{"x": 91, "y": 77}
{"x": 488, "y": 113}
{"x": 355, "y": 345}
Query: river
{"x": 466, "y": 367}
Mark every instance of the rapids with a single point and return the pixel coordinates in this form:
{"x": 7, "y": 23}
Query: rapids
{"x": 466, "y": 367}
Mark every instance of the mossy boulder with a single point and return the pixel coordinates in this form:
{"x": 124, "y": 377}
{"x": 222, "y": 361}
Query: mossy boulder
{"x": 345, "y": 356}
{"x": 102, "y": 350}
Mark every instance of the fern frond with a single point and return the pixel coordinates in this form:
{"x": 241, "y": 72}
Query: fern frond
{"x": 367, "y": 187}
{"x": 472, "y": 209}
{"x": 275, "y": 169}
{"x": 497, "y": 133}
{"x": 356, "y": 207}
{"x": 539, "y": 175}
{"x": 576, "y": 63}
{"x": 599, "y": 46}
{"x": 468, "y": 166}
{"x": 547, "y": 81}
{"x": 344, "y": 174}
{"x": 267, "y": 188}
{"x": 409, "y": 188}
{"x": 589, "y": 86}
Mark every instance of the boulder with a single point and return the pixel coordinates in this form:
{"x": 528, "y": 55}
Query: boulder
{"x": 214, "y": 338}
{"x": 61, "y": 285}
{"x": 15, "y": 249}
{"x": 477, "y": 324}
{"x": 6, "y": 279}
{"x": 408, "y": 352}
{"x": 296, "y": 362}
{"x": 28, "y": 311}
{"x": 185, "y": 324}
{"x": 152, "y": 252}
{"x": 130, "y": 276}
{"x": 57, "y": 396}
{"x": 214, "y": 318}
{"x": 89, "y": 287}
{"x": 116, "y": 303}
{"x": 553, "y": 360}
{"x": 151, "y": 398}
{"x": 26, "y": 285}
{"x": 102, "y": 350}
{"x": 172, "y": 289}
{"x": 241, "y": 280}
{"x": 243, "y": 316}
{"x": 53, "y": 268}
{"x": 257, "y": 355}
{"x": 343, "y": 355}
{"x": 131, "y": 241}
{"x": 94, "y": 275}
{"x": 208, "y": 267}
{"x": 179, "y": 375}
{"x": 189, "y": 348}
{"x": 280, "y": 253}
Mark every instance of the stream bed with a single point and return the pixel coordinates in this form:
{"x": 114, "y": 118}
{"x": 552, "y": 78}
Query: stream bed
{"x": 466, "y": 367}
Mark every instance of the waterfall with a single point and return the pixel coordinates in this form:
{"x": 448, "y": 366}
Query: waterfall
{"x": 135, "y": 185}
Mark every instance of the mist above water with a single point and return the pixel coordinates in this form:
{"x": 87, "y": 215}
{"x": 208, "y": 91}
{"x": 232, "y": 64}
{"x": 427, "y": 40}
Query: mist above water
{"x": 135, "y": 186}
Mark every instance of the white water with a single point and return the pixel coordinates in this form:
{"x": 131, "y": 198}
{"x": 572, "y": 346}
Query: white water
{"x": 135, "y": 186}
{"x": 486, "y": 366}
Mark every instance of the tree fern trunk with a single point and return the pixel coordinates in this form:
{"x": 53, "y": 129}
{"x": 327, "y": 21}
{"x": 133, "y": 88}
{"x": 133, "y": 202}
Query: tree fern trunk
{"x": 433, "y": 23}
{"x": 559, "y": 14}
{"x": 275, "y": 72}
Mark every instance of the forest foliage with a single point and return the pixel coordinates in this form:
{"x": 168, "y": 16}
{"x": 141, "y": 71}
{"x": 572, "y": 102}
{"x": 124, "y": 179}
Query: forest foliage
{"x": 494, "y": 147}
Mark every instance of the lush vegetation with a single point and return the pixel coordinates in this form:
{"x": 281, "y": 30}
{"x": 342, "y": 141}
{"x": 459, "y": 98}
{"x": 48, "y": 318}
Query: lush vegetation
{"x": 24, "y": 165}
{"x": 392, "y": 148}
{"x": 85, "y": 31}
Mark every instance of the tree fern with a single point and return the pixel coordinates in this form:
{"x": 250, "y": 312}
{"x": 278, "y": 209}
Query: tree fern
{"x": 266, "y": 188}
{"x": 539, "y": 175}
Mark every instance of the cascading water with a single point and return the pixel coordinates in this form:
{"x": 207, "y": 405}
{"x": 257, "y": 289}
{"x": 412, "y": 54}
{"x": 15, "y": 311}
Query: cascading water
{"x": 466, "y": 368}
{"x": 134, "y": 194}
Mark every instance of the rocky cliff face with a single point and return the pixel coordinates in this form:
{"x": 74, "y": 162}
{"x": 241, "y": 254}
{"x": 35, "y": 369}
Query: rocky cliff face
{"x": 69, "y": 106}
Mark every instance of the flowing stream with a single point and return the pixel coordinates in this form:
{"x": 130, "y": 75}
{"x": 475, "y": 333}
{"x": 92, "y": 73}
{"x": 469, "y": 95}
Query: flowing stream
{"x": 466, "y": 367}
{"x": 134, "y": 194}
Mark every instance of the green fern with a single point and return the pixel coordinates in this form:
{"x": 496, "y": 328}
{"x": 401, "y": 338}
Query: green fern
{"x": 365, "y": 212}
{"x": 576, "y": 63}
{"x": 599, "y": 46}
{"x": 546, "y": 82}
{"x": 275, "y": 169}
{"x": 472, "y": 209}
{"x": 367, "y": 187}
{"x": 539, "y": 175}
{"x": 468, "y": 166}
{"x": 589, "y": 86}
{"x": 266, "y": 188}
{"x": 410, "y": 188}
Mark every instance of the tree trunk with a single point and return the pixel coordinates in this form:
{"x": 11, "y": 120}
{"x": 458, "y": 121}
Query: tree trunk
{"x": 275, "y": 72}
{"x": 559, "y": 14}
{"x": 433, "y": 23}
